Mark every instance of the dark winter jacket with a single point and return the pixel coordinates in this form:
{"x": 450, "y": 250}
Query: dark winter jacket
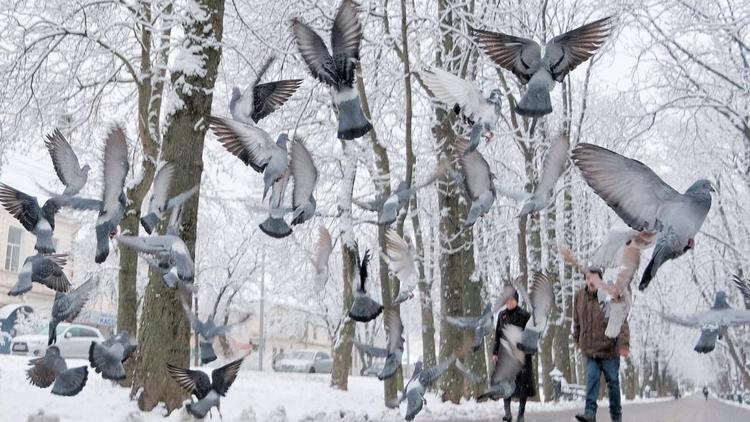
{"x": 525, "y": 379}
{"x": 589, "y": 325}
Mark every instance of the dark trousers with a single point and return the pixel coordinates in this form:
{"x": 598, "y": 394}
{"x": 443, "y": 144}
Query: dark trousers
{"x": 521, "y": 406}
{"x": 611, "y": 369}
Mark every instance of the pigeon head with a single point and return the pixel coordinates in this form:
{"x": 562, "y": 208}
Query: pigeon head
{"x": 52, "y": 351}
{"x": 235, "y": 95}
{"x": 418, "y": 367}
{"x": 495, "y": 97}
{"x": 702, "y": 186}
{"x": 85, "y": 168}
{"x": 282, "y": 140}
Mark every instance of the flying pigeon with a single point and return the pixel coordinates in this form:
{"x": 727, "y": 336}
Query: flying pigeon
{"x": 275, "y": 225}
{"x": 552, "y": 168}
{"x": 261, "y": 99}
{"x": 483, "y": 324}
{"x": 108, "y": 357}
{"x": 541, "y": 301}
{"x": 645, "y": 202}
{"x": 713, "y": 323}
{"x": 160, "y": 201}
{"x": 394, "y": 349}
{"x": 478, "y": 184}
{"x": 208, "y": 331}
{"x": 67, "y": 306}
{"x": 509, "y": 363}
{"x": 65, "y": 162}
{"x": 562, "y": 54}
{"x": 207, "y": 391}
{"x": 337, "y": 69}
{"x": 51, "y": 369}
{"x": 43, "y": 269}
{"x": 364, "y": 308}
{"x": 744, "y": 288}
{"x": 305, "y": 175}
{"x": 111, "y": 207}
{"x": 254, "y": 147}
{"x": 389, "y": 208}
{"x": 40, "y": 221}
{"x": 401, "y": 261}
{"x": 167, "y": 250}
{"x": 482, "y": 113}
{"x": 325, "y": 247}
{"x": 420, "y": 381}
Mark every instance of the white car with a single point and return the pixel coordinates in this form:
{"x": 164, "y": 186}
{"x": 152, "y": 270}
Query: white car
{"x": 309, "y": 361}
{"x": 73, "y": 340}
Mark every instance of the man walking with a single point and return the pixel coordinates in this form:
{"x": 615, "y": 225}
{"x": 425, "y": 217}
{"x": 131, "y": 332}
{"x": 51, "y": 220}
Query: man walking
{"x": 525, "y": 379}
{"x": 602, "y": 353}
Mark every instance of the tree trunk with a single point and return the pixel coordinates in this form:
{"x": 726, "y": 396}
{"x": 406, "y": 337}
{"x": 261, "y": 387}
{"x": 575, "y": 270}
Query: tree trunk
{"x": 164, "y": 333}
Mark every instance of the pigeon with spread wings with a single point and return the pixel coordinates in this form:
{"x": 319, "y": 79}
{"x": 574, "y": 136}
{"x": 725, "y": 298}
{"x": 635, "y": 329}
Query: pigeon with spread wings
{"x": 39, "y": 221}
{"x": 562, "y": 54}
{"x": 337, "y": 68}
{"x": 394, "y": 349}
{"x": 305, "y": 177}
{"x": 51, "y": 369}
{"x": 645, "y": 202}
{"x": 42, "y": 269}
{"x": 261, "y": 99}
{"x": 552, "y": 168}
{"x": 65, "y": 162}
{"x": 67, "y": 306}
{"x": 207, "y": 391}
{"x": 160, "y": 202}
{"x": 401, "y": 260}
{"x": 364, "y": 308}
{"x": 107, "y": 357}
{"x": 541, "y": 301}
{"x": 208, "y": 330}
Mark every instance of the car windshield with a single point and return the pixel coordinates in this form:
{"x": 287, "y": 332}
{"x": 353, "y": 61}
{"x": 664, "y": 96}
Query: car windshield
{"x": 305, "y": 355}
{"x": 44, "y": 329}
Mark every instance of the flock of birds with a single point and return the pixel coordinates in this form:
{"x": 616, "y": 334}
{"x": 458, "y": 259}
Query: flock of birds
{"x": 655, "y": 214}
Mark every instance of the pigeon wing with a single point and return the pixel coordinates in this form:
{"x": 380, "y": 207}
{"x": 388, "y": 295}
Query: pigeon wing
{"x": 116, "y": 168}
{"x": 400, "y": 259}
{"x": 23, "y": 207}
{"x": 476, "y": 172}
{"x": 224, "y": 376}
{"x": 303, "y": 171}
{"x": 250, "y": 144}
{"x": 518, "y": 55}
{"x": 64, "y": 159}
{"x": 193, "y": 382}
{"x": 314, "y": 52}
{"x": 160, "y": 189}
{"x": 565, "y": 52}
{"x": 554, "y": 164}
{"x": 376, "y": 352}
{"x": 510, "y": 359}
{"x": 449, "y": 89}
{"x": 542, "y": 298}
{"x": 270, "y": 96}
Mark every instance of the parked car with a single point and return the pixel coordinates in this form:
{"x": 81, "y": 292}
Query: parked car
{"x": 374, "y": 369}
{"x": 309, "y": 361}
{"x": 9, "y": 315}
{"x": 73, "y": 340}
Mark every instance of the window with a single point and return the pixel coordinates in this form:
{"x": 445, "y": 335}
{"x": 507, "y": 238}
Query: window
{"x": 82, "y": 332}
{"x": 323, "y": 356}
{"x": 13, "y": 250}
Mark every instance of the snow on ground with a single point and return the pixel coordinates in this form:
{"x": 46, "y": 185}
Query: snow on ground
{"x": 254, "y": 397}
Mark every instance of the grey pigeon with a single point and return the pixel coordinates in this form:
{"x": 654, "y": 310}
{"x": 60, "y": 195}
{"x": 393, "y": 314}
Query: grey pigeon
{"x": 260, "y": 100}
{"x": 51, "y": 369}
{"x": 207, "y": 391}
{"x": 254, "y": 147}
{"x": 562, "y": 54}
{"x": 67, "y": 306}
{"x": 65, "y": 162}
{"x": 111, "y": 207}
{"x": 541, "y": 301}
{"x": 645, "y": 202}
{"x": 43, "y": 269}
{"x": 713, "y": 323}
{"x": 40, "y": 221}
{"x": 394, "y": 350}
{"x": 168, "y": 250}
{"x": 325, "y": 247}
{"x": 305, "y": 175}
{"x": 482, "y": 113}
{"x": 337, "y": 69}
{"x": 401, "y": 261}
{"x": 275, "y": 225}
{"x": 509, "y": 363}
{"x": 420, "y": 381}
{"x": 552, "y": 168}
{"x": 364, "y": 308}
{"x": 482, "y": 325}
{"x": 208, "y": 330}
{"x": 160, "y": 201}
{"x": 478, "y": 184}
{"x": 107, "y": 357}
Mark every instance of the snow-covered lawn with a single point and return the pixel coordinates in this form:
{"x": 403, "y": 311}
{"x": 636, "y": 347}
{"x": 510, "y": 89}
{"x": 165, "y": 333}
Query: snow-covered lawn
{"x": 255, "y": 396}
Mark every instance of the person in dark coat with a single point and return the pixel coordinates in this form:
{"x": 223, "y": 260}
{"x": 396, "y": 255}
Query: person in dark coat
{"x": 513, "y": 314}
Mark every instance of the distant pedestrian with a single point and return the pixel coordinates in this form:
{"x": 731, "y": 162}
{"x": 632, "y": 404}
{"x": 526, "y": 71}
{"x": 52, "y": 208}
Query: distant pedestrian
{"x": 705, "y": 392}
{"x": 514, "y": 315}
{"x": 602, "y": 353}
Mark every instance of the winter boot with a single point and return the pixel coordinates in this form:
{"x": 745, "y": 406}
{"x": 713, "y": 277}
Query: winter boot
{"x": 583, "y": 417}
{"x": 508, "y": 415}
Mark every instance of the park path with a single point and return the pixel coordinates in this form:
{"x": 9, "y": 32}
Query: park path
{"x": 693, "y": 408}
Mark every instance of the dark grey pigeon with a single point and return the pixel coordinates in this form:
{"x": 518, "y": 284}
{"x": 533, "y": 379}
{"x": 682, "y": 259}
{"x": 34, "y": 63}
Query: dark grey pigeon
{"x": 478, "y": 184}
{"x": 555, "y": 162}
{"x": 254, "y": 147}
{"x": 562, "y": 54}
{"x": 509, "y": 363}
{"x": 305, "y": 175}
{"x": 713, "y": 323}
{"x": 482, "y": 113}
{"x": 420, "y": 381}
{"x": 107, "y": 357}
{"x": 43, "y": 269}
{"x": 541, "y": 301}
{"x": 67, "y": 306}
{"x": 208, "y": 331}
{"x": 482, "y": 325}
{"x": 364, "y": 308}
{"x": 112, "y": 205}
{"x": 337, "y": 69}
{"x": 645, "y": 202}
{"x": 167, "y": 249}
{"x": 275, "y": 225}
{"x": 65, "y": 162}
{"x": 160, "y": 201}
{"x": 260, "y": 100}
{"x": 394, "y": 349}
{"x": 207, "y": 391}
{"x": 52, "y": 369}
{"x": 40, "y": 221}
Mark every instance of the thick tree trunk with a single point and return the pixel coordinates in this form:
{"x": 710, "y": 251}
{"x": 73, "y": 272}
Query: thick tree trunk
{"x": 164, "y": 332}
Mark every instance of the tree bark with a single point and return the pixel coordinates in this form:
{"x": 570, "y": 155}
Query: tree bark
{"x": 164, "y": 332}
